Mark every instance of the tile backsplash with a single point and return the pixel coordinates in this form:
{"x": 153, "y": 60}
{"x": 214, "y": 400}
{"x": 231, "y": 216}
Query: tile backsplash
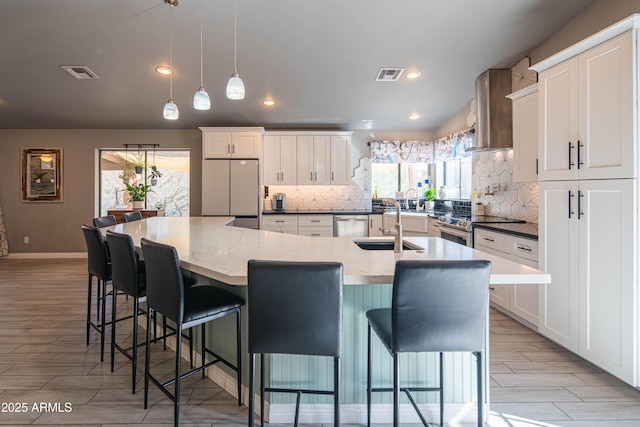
{"x": 356, "y": 196}
{"x": 493, "y": 171}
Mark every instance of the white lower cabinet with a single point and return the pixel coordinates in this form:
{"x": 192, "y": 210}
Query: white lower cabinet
{"x": 588, "y": 243}
{"x": 375, "y": 225}
{"x": 315, "y": 225}
{"x": 287, "y": 224}
{"x": 518, "y": 300}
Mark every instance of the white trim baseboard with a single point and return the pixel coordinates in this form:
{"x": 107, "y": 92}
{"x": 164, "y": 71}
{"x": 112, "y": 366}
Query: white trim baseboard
{"x": 43, "y": 255}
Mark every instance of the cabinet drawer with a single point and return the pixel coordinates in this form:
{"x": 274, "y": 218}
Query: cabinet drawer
{"x": 316, "y": 231}
{"x": 489, "y": 239}
{"x": 315, "y": 221}
{"x": 524, "y": 248}
{"x": 279, "y": 220}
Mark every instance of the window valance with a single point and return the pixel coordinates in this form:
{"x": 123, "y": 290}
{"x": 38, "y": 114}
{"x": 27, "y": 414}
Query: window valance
{"x": 445, "y": 148}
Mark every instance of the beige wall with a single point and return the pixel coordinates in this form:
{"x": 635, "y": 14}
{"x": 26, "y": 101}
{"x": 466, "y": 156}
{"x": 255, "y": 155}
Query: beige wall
{"x": 597, "y": 17}
{"x": 55, "y": 227}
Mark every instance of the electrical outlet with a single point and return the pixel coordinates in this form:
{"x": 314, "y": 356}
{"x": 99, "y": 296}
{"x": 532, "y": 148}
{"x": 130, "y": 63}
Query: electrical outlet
{"x": 26, "y": 240}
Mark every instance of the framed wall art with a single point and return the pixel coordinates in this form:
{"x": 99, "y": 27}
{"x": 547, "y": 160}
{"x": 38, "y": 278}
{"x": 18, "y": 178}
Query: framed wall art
{"x": 42, "y": 174}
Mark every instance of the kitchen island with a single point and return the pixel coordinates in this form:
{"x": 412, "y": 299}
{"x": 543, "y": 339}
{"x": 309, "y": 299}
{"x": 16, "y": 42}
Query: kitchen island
{"x": 218, "y": 255}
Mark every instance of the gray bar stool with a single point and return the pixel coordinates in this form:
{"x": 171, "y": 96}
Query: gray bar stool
{"x": 294, "y": 308}
{"x": 131, "y": 216}
{"x": 186, "y": 306}
{"x": 436, "y": 306}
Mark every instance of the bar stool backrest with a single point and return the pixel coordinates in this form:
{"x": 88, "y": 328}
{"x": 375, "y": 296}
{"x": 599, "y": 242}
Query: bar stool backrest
{"x": 104, "y": 221}
{"x": 124, "y": 263}
{"x": 97, "y": 253}
{"x": 295, "y": 307}
{"x": 165, "y": 287}
{"x": 440, "y": 305}
{"x": 131, "y": 216}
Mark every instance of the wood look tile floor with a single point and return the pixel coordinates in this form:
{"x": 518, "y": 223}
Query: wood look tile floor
{"x": 44, "y": 359}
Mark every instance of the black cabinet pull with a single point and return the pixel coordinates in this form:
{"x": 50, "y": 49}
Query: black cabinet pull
{"x": 569, "y": 204}
{"x": 580, "y": 196}
{"x": 570, "y": 148}
{"x": 523, "y": 248}
{"x": 536, "y": 166}
{"x": 488, "y": 239}
{"x": 579, "y": 161}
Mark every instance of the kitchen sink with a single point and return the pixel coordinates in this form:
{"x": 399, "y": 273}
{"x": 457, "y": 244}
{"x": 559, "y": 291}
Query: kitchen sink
{"x": 385, "y": 245}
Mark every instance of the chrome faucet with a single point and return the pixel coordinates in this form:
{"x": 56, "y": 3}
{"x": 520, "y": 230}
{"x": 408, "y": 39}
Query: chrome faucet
{"x": 406, "y": 198}
{"x": 397, "y": 245}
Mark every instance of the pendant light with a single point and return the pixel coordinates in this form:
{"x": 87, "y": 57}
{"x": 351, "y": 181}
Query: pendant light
{"x": 235, "y": 85}
{"x": 170, "y": 110}
{"x": 201, "y": 100}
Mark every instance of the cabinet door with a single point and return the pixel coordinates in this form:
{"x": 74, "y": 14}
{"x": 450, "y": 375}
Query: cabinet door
{"x": 216, "y": 145}
{"x": 245, "y": 145}
{"x": 498, "y": 294}
{"x": 558, "y": 114}
{"x": 340, "y": 160}
{"x": 271, "y": 160}
{"x": 606, "y": 111}
{"x": 525, "y": 138}
{"x": 607, "y": 275}
{"x": 288, "y": 160}
{"x": 375, "y": 225}
{"x": 322, "y": 160}
{"x": 305, "y": 160}
{"x": 558, "y": 256}
{"x": 524, "y": 298}
{"x": 215, "y": 187}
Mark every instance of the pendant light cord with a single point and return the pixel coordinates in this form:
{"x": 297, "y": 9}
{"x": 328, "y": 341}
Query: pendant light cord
{"x": 171, "y": 51}
{"x": 201, "y": 60}
{"x": 235, "y": 37}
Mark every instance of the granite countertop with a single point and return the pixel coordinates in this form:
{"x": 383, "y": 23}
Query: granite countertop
{"x": 525, "y": 229}
{"x": 206, "y": 246}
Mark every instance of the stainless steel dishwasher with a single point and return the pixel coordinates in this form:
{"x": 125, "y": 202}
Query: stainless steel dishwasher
{"x": 350, "y": 226}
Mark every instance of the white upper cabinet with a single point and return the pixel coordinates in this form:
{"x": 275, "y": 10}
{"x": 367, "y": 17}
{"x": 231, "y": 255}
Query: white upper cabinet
{"x": 340, "y": 160}
{"x": 280, "y": 159}
{"x": 231, "y": 143}
{"x": 324, "y": 159}
{"x": 525, "y": 134}
{"x": 586, "y": 107}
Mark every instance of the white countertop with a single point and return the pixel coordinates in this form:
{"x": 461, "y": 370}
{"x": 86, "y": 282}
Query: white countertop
{"x": 207, "y": 246}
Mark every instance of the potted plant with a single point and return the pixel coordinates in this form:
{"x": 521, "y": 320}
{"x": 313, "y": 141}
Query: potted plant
{"x": 136, "y": 164}
{"x": 429, "y": 197}
{"x": 155, "y": 174}
{"x": 127, "y": 175}
{"x": 38, "y": 177}
{"x": 137, "y": 194}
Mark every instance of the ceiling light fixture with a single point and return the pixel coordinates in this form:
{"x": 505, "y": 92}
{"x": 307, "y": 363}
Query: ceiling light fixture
{"x": 201, "y": 100}
{"x": 414, "y": 116}
{"x": 164, "y": 70}
{"x": 268, "y": 102}
{"x": 413, "y": 74}
{"x": 170, "y": 110}
{"x": 235, "y": 85}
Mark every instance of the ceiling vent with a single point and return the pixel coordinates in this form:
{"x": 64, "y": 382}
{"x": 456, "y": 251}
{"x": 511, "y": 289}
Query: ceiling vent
{"x": 80, "y": 72}
{"x": 389, "y": 74}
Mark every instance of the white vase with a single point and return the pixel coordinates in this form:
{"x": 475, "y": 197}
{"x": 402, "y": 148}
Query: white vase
{"x": 137, "y": 205}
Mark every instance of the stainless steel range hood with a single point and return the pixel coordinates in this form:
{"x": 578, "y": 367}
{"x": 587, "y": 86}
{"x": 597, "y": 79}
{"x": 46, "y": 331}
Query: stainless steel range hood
{"x": 493, "y": 126}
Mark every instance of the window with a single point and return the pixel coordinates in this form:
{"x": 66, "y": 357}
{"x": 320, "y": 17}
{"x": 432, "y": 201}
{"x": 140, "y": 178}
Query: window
{"x": 454, "y": 176}
{"x": 171, "y": 192}
{"x": 387, "y": 178}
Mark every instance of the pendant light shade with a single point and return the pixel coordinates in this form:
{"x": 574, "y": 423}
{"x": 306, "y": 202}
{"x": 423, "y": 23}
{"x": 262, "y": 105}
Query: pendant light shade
{"x": 235, "y": 85}
{"x": 170, "y": 110}
{"x": 201, "y": 100}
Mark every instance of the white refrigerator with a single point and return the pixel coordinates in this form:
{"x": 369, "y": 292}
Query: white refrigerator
{"x": 231, "y": 188}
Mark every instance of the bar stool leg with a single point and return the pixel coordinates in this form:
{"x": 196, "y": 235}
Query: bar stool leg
{"x": 202, "y": 346}
{"x": 103, "y": 326}
{"x": 252, "y": 362}
{"x": 336, "y": 391}
{"x": 239, "y": 355}
{"x": 441, "y": 389}
{"x": 147, "y": 356}
{"x": 113, "y": 331}
{"x": 134, "y": 368}
{"x": 396, "y": 390}
{"x": 89, "y": 305}
{"x": 262, "y": 376}
{"x": 176, "y": 403}
{"x": 480, "y": 389}
{"x": 369, "y": 363}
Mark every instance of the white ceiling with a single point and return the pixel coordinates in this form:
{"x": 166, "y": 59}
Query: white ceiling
{"x": 317, "y": 58}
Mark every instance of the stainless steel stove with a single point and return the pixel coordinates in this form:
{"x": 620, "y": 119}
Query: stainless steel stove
{"x": 459, "y": 228}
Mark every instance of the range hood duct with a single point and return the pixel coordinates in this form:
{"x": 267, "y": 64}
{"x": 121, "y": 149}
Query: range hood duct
{"x": 493, "y": 125}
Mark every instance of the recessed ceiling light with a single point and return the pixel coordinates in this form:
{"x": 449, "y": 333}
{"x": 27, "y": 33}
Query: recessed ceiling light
{"x": 268, "y": 102}
{"x": 414, "y": 116}
{"x": 164, "y": 70}
{"x": 413, "y": 74}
